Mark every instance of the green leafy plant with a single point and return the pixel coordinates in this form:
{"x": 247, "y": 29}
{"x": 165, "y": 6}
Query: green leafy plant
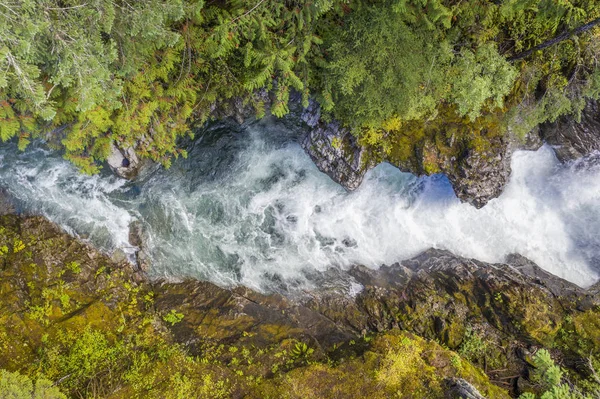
{"x": 74, "y": 267}
{"x": 173, "y": 317}
{"x": 301, "y": 351}
{"x": 549, "y": 377}
{"x": 18, "y": 245}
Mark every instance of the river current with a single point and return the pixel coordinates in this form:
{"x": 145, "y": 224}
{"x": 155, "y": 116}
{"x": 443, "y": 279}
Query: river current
{"x": 249, "y": 207}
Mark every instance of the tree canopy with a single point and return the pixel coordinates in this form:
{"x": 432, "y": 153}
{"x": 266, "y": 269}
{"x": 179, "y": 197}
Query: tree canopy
{"x": 140, "y": 73}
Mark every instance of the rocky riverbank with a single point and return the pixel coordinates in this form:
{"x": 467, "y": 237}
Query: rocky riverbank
{"x": 428, "y": 327}
{"x": 478, "y": 170}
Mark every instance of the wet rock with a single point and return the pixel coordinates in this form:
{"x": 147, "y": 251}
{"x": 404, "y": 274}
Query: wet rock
{"x": 7, "y": 206}
{"x": 118, "y": 256}
{"x": 587, "y": 162}
{"x": 556, "y": 285}
{"x": 349, "y": 242}
{"x": 137, "y": 239}
{"x": 478, "y": 177}
{"x": 136, "y": 234}
{"x": 572, "y": 139}
{"x": 124, "y": 163}
{"x": 143, "y": 260}
{"x": 312, "y": 114}
{"x": 458, "y": 388}
{"x": 334, "y": 150}
{"x": 531, "y": 142}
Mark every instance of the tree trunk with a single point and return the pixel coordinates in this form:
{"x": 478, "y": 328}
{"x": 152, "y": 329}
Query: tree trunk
{"x": 557, "y": 39}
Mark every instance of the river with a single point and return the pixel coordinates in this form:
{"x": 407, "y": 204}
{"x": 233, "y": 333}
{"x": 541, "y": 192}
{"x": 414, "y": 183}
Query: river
{"x": 249, "y": 207}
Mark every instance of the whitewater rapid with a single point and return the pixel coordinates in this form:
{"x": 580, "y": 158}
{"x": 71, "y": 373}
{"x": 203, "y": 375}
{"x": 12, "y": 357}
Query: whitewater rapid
{"x": 249, "y": 207}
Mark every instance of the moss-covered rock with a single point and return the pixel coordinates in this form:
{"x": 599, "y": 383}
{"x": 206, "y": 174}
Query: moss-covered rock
{"x": 475, "y": 155}
{"x": 429, "y": 326}
{"x": 492, "y": 314}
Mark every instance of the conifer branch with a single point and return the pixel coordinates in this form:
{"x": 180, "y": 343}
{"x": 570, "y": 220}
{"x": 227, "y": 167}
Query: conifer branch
{"x": 555, "y": 40}
{"x": 248, "y": 12}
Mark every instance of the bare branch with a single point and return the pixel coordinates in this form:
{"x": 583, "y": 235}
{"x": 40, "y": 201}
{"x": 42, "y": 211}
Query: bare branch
{"x": 555, "y": 40}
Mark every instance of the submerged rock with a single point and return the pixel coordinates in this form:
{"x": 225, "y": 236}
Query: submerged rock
{"x": 136, "y": 234}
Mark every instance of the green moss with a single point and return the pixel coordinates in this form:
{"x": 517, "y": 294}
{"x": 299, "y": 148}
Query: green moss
{"x": 454, "y": 333}
{"x": 396, "y": 364}
{"x": 173, "y": 317}
{"x": 215, "y": 327}
{"x": 539, "y": 321}
{"x": 101, "y": 332}
{"x": 438, "y": 144}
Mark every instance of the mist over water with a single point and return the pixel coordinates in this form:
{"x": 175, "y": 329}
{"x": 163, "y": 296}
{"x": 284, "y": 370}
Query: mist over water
{"x": 249, "y": 207}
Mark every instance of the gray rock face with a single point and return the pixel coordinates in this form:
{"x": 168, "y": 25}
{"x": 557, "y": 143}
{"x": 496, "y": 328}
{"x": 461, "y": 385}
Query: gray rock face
{"x": 571, "y": 139}
{"x": 334, "y": 150}
{"x": 476, "y": 177}
{"x": 312, "y": 114}
{"x": 458, "y": 388}
{"x": 556, "y": 285}
{"x": 124, "y": 163}
{"x": 479, "y": 177}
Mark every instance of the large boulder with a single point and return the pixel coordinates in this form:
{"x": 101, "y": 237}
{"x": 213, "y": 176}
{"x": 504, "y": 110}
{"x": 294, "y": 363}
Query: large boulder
{"x": 495, "y": 314}
{"x": 479, "y": 176}
{"x": 124, "y": 162}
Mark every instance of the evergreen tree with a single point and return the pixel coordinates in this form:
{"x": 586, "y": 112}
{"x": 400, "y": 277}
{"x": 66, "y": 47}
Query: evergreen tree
{"x": 141, "y": 73}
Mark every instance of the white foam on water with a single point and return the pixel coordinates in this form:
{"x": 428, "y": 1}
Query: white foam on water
{"x": 270, "y": 219}
{"x": 47, "y": 185}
